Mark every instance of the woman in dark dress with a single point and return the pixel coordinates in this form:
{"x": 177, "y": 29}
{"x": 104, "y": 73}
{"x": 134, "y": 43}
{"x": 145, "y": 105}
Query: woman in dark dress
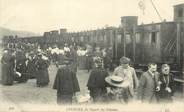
{"x": 8, "y": 64}
{"x": 42, "y": 74}
{"x": 21, "y": 66}
{"x": 31, "y": 66}
{"x": 166, "y": 84}
{"x": 89, "y": 60}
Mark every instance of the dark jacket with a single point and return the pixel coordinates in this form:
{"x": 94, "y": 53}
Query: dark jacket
{"x": 166, "y": 81}
{"x": 96, "y": 83}
{"x": 42, "y": 74}
{"x": 66, "y": 82}
{"x": 147, "y": 87}
{"x": 31, "y": 68}
{"x": 74, "y": 58}
{"x": 89, "y": 60}
{"x": 107, "y": 61}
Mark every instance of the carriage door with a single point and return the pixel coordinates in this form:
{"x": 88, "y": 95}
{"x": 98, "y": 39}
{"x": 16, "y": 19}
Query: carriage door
{"x": 128, "y": 46}
{"x": 117, "y": 45}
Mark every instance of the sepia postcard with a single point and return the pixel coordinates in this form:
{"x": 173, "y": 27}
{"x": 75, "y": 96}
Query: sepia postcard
{"x": 91, "y": 55}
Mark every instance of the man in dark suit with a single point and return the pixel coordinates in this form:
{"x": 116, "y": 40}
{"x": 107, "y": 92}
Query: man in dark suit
{"x": 66, "y": 83}
{"x": 149, "y": 85}
{"x": 96, "y": 82}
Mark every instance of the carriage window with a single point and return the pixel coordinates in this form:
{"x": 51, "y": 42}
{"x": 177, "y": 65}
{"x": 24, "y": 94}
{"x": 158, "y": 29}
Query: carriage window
{"x": 153, "y": 37}
{"x": 128, "y": 39}
{"x": 82, "y": 38}
{"x": 180, "y": 13}
{"x": 138, "y": 37}
{"x": 105, "y": 38}
{"x": 119, "y": 38}
{"x": 95, "y": 36}
{"x": 89, "y": 39}
{"x": 100, "y": 38}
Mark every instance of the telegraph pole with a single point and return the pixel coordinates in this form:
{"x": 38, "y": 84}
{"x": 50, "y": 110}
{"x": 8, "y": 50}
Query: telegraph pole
{"x": 156, "y": 10}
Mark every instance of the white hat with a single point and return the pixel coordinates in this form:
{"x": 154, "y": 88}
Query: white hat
{"x": 117, "y": 81}
{"x": 44, "y": 58}
{"x": 83, "y": 98}
{"x": 18, "y": 74}
{"x": 5, "y": 51}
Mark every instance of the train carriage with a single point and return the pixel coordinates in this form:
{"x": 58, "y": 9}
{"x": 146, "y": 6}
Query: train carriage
{"x": 156, "y": 42}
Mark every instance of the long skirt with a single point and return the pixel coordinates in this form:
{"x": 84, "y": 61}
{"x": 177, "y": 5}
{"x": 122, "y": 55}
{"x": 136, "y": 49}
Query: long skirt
{"x": 42, "y": 77}
{"x": 7, "y": 74}
{"x": 64, "y": 99}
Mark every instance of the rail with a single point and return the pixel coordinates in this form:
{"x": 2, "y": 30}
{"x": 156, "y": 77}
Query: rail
{"x": 179, "y": 80}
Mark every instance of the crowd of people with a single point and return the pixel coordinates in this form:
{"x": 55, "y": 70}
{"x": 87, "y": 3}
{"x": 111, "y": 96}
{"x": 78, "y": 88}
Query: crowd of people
{"x": 21, "y": 63}
{"x": 123, "y": 85}
{"x": 19, "y": 66}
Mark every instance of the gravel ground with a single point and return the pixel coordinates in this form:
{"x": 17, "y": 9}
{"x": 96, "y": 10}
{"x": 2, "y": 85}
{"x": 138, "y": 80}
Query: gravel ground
{"x": 29, "y": 93}
{"x": 17, "y": 96}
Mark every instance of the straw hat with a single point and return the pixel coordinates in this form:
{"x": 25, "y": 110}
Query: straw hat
{"x": 83, "y": 98}
{"x": 116, "y": 81}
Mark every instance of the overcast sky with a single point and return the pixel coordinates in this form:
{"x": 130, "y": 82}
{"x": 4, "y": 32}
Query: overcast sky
{"x": 76, "y": 15}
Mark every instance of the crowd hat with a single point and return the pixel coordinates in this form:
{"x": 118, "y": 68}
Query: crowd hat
{"x": 39, "y": 54}
{"x": 5, "y": 51}
{"x": 165, "y": 66}
{"x": 45, "y": 57}
{"x": 125, "y": 60}
{"x": 98, "y": 61}
{"x": 116, "y": 81}
{"x": 66, "y": 61}
{"x": 31, "y": 53}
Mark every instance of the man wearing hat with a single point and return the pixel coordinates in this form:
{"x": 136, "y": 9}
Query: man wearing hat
{"x": 128, "y": 74}
{"x": 96, "y": 82}
{"x": 66, "y": 83}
